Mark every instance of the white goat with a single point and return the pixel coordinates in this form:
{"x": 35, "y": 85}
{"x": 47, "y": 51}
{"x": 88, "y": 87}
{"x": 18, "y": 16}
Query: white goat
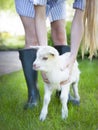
{"x": 49, "y": 61}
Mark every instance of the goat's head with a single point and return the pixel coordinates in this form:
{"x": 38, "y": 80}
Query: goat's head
{"x": 46, "y": 58}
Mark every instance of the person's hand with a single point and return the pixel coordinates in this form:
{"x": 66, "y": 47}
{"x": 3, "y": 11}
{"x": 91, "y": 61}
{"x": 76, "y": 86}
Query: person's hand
{"x": 69, "y": 65}
{"x": 45, "y": 78}
{"x": 65, "y": 82}
{"x": 69, "y": 62}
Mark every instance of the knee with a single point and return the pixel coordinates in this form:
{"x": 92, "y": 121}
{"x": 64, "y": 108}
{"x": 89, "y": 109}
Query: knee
{"x": 59, "y": 36}
{"x": 31, "y": 40}
{"x": 58, "y": 32}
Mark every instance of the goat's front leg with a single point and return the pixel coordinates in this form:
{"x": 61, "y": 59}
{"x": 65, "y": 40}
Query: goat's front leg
{"x": 46, "y": 101}
{"x": 64, "y": 100}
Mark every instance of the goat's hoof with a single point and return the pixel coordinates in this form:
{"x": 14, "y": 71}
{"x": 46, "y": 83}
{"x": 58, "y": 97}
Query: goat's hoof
{"x": 42, "y": 117}
{"x": 64, "y": 117}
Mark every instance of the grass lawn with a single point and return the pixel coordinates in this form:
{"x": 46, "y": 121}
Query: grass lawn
{"x": 13, "y": 94}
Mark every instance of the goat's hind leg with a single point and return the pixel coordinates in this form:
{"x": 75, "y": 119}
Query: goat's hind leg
{"x": 46, "y": 101}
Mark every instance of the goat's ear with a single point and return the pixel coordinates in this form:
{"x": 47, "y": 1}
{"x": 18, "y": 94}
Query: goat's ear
{"x": 52, "y": 54}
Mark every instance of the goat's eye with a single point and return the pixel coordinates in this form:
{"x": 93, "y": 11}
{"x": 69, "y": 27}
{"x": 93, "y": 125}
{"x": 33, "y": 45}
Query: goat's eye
{"x": 45, "y": 58}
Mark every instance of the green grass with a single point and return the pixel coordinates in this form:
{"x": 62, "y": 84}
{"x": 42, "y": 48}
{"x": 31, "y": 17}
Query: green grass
{"x": 13, "y": 94}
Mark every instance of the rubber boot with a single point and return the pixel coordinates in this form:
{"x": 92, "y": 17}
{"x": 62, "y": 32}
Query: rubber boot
{"x": 61, "y": 49}
{"x": 27, "y": 57}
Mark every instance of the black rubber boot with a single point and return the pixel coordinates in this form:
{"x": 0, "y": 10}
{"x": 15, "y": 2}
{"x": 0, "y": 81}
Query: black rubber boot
{"x": 62, "y": 49}
{"x": 27, "y": 57}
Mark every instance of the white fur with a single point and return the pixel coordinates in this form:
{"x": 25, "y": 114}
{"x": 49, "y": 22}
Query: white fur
{"x": 49, "y": 61}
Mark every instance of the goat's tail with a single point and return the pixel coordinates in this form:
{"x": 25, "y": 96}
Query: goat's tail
{"x": 90, "y": 40}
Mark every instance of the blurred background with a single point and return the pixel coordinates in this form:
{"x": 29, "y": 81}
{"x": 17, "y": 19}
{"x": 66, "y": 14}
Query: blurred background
{"x": 11, "y": 29}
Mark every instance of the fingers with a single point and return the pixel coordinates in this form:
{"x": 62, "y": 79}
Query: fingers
{"x": 65, "y": 82}
{"x": 70, "y": 67}
{"x": 45, "y": 78}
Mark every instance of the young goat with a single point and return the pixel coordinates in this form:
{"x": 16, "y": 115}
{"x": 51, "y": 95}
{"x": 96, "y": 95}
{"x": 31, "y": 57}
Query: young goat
{"x": 51, "y": 63}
